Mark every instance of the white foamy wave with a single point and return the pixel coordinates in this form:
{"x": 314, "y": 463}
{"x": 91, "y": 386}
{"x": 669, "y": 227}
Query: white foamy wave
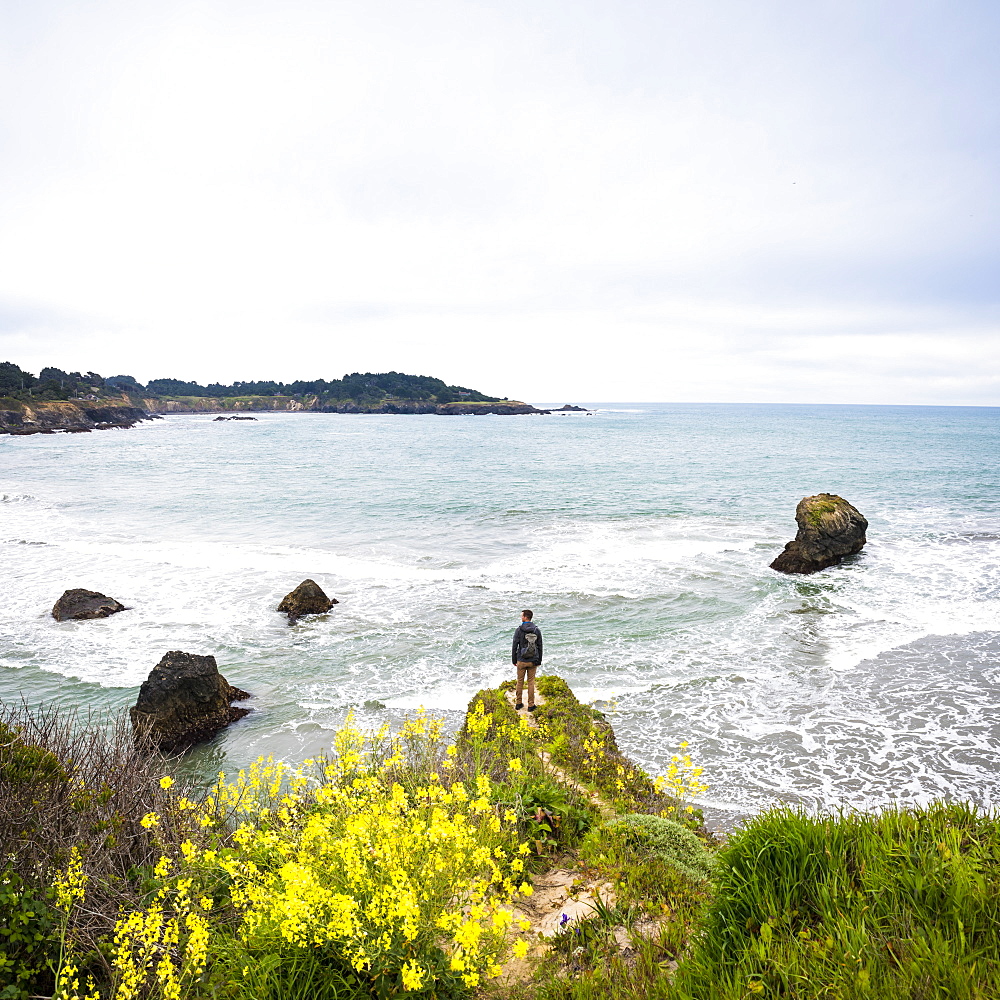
{"x": 607, "y": 696}
{"x": 442, "y": 699}
{"x": 605, "y": 559}
{"x": 218, "y": 556}
{"x": 912, "y": 587}
{"x": 877, "y": 636}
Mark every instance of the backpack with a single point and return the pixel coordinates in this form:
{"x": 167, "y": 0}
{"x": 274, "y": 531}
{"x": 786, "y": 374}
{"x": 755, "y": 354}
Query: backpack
{"x": 529, "y": 651}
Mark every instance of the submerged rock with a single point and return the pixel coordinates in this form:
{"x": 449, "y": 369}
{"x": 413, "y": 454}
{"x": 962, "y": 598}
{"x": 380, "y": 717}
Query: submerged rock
{"x": 78, "y": 605}
{"x": 306, "y": 599}
{"x": 829, "y": 529}
{"x": 185, "y": 700}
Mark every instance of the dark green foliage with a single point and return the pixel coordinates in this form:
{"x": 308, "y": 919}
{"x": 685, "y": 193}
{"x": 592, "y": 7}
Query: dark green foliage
{"x": 29, "y": 938}
{"x": 51, "y": 384}
{"x": 651, "y": 857}
{"x": 369, "y": 387}
{"x": 123, "y": 383}
{"x": 21, "y": 761}
{"x": 175, "y": 387}
{"x": 13, "y": 381}
{"x": 901, "y": 904}
{"x": 551, "y": 816}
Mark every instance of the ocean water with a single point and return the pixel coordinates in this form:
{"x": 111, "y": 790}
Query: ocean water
{"x": 640, "y": 536}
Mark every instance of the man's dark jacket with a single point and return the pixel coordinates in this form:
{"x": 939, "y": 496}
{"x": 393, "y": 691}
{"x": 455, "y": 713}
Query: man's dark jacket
{"x": 518, "y": 650}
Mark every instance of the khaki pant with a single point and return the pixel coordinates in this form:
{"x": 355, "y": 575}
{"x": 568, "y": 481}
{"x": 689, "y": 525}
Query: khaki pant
{"x": 523, "y": 669}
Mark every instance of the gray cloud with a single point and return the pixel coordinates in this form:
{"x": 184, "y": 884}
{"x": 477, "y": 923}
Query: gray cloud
{"x": 705, "y": 187}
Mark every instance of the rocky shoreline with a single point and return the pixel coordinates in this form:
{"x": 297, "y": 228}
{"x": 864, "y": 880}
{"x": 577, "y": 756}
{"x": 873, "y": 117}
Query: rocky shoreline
{"x": 79, "y": 416}
{"x": 68, "y": 417}
{"x": 292, "y": 404}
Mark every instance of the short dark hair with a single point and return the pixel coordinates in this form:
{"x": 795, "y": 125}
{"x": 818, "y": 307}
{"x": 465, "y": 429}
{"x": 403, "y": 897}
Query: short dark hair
{"x": 527, "y": 614}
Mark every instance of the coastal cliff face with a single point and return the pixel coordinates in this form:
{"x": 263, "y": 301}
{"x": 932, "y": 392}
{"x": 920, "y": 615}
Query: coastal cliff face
{"x": 80, "y": 416}
{"x": 293, "y": 404}
{"x": 69, "y": 416}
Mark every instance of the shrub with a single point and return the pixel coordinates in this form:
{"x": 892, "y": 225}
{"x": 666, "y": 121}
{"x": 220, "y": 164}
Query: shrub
{"x": 652, "y": 855}
{"x": 389, "y": 885}
{"x": 75, "y": 790}
{"x": 550, "y": 816}
{"x": 29, "y": 939}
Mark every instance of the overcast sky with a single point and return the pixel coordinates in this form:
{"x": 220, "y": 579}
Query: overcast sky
{"x": 555, "y": 201}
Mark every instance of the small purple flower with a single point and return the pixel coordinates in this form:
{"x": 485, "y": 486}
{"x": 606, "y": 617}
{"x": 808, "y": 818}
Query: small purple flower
{"x": 564, "y": 919}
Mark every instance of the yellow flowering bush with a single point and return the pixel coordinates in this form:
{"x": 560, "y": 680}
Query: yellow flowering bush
{"x": 369, "y": 860}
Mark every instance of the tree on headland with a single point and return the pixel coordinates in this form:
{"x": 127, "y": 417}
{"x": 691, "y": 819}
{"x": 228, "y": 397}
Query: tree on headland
{"x": 365, "y": 388}
{"x": 13, "y": 380}
{"x": 124, "y": 383}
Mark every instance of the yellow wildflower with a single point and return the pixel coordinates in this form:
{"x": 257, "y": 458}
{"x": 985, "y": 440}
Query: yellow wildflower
{"x": 413, "y": 976}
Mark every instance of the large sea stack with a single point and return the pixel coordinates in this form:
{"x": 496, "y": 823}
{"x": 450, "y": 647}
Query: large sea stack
{"x": 306, "y": 599}
{"x": 79, "y": 604}
{"x": 185, "y": 700}
{"x": 829, "y": 529}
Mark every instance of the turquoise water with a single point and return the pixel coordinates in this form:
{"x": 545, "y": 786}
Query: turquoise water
{"x": 640, "y": 536}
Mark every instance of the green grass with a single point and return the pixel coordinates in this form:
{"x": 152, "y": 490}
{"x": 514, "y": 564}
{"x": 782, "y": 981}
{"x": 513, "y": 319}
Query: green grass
{"x": 898, "y": 904}
{"x": 821, "y": 507}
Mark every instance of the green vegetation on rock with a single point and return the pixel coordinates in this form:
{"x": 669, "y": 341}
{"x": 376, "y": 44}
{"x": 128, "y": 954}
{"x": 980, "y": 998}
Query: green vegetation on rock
{"x": 645, "y": 850}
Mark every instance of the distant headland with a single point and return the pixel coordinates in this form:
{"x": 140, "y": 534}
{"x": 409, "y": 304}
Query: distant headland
{"x": 56, "y": 400}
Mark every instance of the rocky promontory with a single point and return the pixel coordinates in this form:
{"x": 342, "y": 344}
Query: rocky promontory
{"x": 67, "y": 416}
{"x": 58, "y": 400}
{"x": 829, "y": 529}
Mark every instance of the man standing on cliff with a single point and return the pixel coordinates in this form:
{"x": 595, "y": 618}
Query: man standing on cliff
{"x": 526, "y": 655}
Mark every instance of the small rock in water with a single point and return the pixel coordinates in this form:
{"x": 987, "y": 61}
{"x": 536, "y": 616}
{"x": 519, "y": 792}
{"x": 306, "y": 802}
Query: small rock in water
{"x": 184, "y": 700}
{"x": 78, "y": 605}
{"x": 829, "y": 529}
{"x": 306, "y": 599}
